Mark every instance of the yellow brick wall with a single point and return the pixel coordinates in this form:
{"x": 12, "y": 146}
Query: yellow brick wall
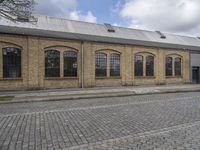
{"x": 33, "y": 62}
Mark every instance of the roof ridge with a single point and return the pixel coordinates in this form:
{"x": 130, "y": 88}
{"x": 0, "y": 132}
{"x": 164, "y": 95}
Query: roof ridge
{"x": 67, "y": 19}
{"x": 101, "y": 24}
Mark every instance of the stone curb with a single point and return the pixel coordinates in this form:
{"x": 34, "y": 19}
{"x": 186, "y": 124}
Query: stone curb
{"x": 99, "y": 95}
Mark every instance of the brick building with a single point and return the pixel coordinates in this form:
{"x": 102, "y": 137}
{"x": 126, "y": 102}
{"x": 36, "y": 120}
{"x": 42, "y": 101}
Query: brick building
{"x": 59, "y": 53}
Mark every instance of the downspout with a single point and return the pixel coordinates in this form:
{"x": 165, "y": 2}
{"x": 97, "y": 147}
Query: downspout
{"x": 82, "y": 65}
{"x": 190, "y": 67}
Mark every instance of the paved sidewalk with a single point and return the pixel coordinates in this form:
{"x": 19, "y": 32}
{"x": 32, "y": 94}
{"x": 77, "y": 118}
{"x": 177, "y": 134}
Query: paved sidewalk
{"x": 78, "y": 93}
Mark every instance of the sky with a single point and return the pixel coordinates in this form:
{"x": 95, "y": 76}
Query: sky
{"x": 173, "y": 16}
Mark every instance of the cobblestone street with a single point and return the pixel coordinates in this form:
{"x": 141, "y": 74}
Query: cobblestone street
{"x": 163, "y": 121}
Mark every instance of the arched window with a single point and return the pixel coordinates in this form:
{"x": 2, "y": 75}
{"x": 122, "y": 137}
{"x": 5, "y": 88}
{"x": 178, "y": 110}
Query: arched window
{"x": 52, "y": 63}
{"x": 101, "y": 60}
{"x": 138, "y": 65}
{"x": 11, "y": 63}
{"x": 70, "y": 64}
{"x": 177, "y": 66}
{"x": 149, "y": 66}
{"x": 114, "y": 64}
{"x": 168, "y": 66}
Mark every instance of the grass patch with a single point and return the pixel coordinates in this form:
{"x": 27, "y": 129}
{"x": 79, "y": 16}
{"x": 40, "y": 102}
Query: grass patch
{"x": 6, "y": 98}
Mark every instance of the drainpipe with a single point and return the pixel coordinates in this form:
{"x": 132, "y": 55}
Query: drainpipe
{"x": 190, "y": 67}
{"x": 82, "y": 65}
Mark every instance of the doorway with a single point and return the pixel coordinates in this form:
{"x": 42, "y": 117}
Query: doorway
{"x": 195, "y": 75}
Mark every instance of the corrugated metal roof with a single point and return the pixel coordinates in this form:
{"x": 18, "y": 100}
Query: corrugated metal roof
{"x": 63, "y": 28}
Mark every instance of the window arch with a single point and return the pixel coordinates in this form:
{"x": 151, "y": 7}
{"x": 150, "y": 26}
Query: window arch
{"x": 173, "y": 65}
{"x": 149, "y": 65}
{"x": 70, "y": 64}
{"x": 52, "y": 63}
{"x": 114, "y": 64}
{"x": 101, "y": 64}
{"x": 144, "y": 64}
{"x": 177, "y": 66}
{"x": 11, "y": 62}
{"x": 139, "y": 65}
{"x": 168, "y": 66}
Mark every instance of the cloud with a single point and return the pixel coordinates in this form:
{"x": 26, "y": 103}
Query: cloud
{"x": 57, "y": 8}
{"x": 63, "y": 9}
{"x": 90, "y": 17}
{"x": 117, "y": 6}
{"x": 76, "y": 15}
{"x": 180, "y": 16}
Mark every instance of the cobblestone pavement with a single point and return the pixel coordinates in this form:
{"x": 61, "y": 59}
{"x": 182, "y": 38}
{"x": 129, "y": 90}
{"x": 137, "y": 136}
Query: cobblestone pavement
{"x": 165, "y": 121}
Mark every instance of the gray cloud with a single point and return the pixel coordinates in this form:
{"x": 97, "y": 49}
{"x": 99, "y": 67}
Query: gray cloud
{"x": 180, "y": 16}
{"x": 55, "y": 7}
{"x": 63, "y": 9}
{"x": 76, "y": 15}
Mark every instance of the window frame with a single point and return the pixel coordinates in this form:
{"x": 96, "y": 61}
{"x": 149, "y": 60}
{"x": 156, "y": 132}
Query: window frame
{"x": 144, "y": 67}
{"x": 141, "y": 72}
{"x": 152, "y": 65}
{"x": 59, "y": 63}
{"x": 19, "y": 66}
{"x": 105, "y": 63}
{"x": 174, "y": 57}
{"x": 114, "y": 74}
{"x": 175, "y": 67}
{"x": 167, "y": 74}
{"x": 76, "y": 72}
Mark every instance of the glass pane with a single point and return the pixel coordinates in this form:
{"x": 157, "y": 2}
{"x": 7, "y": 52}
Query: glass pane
{"x": 101, "y": 66}
{"x": 149, "y": 66}
{"x": 70, "y": 64}
{"x": 52, "y": 63}
{"x": 115, "y": 64}
{"x": 168, "y": 66}
{"x": 11, "y": 63}
{"x": 138, "y": 65}
{"x": 177, "y": 66}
